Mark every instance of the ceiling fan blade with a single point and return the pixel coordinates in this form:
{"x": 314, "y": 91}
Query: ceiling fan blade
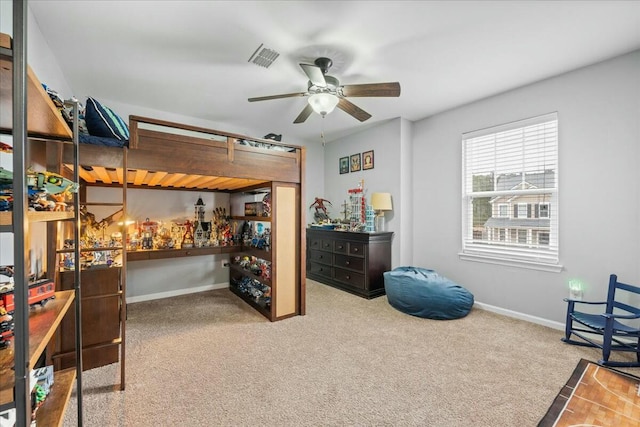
{"x": 304, "y": 114}
{"x": 354, "y": 110}
{"x": 315, "y": 74}
{"x": 284, "y": 95}
{"x": 372, "y": 89}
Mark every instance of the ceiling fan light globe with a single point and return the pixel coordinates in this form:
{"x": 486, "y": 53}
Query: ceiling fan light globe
{"x": 323, "y": 103}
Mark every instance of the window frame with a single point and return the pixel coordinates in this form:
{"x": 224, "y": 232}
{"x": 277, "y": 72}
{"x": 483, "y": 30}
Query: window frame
{"x": 533, "y": 254}
{"x": 539, "y": 210}
{"x": 504, "y": 214}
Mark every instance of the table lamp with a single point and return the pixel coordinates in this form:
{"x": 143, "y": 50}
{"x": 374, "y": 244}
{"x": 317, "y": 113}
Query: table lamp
{"x": 381, "y": 202}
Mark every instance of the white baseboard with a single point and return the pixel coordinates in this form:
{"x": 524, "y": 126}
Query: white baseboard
{"x": 521, "y": 316}
{"x": 177, "y": 292}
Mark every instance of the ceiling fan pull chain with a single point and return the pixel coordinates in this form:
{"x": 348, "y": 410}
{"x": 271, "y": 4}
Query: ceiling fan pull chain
{"x": 322, "y": 132}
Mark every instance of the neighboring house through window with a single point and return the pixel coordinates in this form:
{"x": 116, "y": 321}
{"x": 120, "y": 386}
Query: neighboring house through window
{"x": 510, "y": 194}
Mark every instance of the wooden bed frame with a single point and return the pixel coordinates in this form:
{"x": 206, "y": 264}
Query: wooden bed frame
{"x": 197, "y": 153}
{"x": 168, "y": 155}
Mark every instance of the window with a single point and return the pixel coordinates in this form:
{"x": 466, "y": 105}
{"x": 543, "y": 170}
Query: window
{"x": 522, "y": 236}
{"x": 520, "y": 211}
{"x": 510, "y": 182}
{"x": 543, "y": 210}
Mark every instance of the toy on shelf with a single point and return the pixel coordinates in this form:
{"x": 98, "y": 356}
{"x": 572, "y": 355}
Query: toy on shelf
{"x": 260, "y": 292}
{"x": 90, "y": 227}
{"x": 221, "y": 228}
{"x": 255, "y": 265}
{"x": 358, "y": 207}
{"x": 6, "y": 328}
{"x": 148, "y": 231}
{"x": 187, "y": 238}
{"x": 369, "y": 219}
{"x": 40, "y": 291}
{"x": 266, "y": 205}
{"x": 202, "y": 228}
{"x": 47, "y": 191}
{"x": 320, "y": 215}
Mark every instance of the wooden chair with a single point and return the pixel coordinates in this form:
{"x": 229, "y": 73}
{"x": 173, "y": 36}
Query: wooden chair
{"x": 618, "y": 327}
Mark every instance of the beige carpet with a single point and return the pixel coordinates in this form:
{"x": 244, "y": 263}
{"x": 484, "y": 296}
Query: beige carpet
{"x": 209, "y": 359}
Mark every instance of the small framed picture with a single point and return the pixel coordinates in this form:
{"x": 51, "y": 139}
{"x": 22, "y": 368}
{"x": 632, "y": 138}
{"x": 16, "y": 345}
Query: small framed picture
{"x": 344, "y": 165}
{"x": 355, "y": 162}
{"x": 367, "y": 160}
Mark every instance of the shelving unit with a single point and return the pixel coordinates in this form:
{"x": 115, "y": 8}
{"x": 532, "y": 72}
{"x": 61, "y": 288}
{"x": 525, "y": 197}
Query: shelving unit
{"x": 282, "y": 299}
{"x": 22, "y": 96}
{"x": 42, "y": 324}
{"x": 262, "y": 304}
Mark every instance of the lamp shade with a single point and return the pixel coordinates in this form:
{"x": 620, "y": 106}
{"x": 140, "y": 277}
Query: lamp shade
{"x": 323, "y": 103}
{"x": 381, "y": 201}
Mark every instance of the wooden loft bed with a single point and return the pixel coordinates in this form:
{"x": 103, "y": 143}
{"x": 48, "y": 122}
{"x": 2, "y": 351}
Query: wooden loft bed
{"x": 171, "y": 155}
{"x": 167, "y": 155}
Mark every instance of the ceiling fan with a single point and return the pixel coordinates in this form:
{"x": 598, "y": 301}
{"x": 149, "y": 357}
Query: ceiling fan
{"x": 325, "y": 92}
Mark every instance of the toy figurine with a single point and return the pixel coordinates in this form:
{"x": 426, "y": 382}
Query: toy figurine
{"x": 266, "y": 205}
{"x": 187, "y": 239}
{"x": 320, "y": 207}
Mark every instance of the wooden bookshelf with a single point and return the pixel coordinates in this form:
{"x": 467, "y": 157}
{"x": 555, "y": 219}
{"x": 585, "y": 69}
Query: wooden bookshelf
{"x": 51, "y": 412}
{"x": 43, "y": 322}
{"x": 43, "y": 118}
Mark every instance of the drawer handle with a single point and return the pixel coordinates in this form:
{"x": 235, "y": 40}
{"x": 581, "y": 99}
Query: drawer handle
{"x": 320, "y": 257}
{"x": 355, "y": 249}
{"x": 340, "y": 247}
{"x": 348, "y": 277}
{"x": 188, "y": 253}
{"x": 346, "y": 263}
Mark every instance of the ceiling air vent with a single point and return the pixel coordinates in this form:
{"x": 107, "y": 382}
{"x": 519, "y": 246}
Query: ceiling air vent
{"x": 263, "y": 56}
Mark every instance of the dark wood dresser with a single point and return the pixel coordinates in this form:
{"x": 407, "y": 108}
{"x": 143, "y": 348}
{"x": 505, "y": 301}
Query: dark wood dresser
{"x": 354, "y": 262}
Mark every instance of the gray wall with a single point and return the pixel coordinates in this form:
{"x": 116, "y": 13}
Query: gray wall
{"x": 599, "y": 151}
{"x": 389, "y": 142}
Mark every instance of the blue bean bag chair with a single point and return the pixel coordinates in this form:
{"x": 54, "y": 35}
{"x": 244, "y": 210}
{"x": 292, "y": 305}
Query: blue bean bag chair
{"x": 424, "y": 293}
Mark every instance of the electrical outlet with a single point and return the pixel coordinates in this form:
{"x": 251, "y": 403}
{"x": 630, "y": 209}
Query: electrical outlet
{"x": 224, "y": 263}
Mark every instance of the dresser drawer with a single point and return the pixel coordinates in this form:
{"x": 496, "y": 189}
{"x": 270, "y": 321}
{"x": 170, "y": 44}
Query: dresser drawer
{"x": 350, "y": 262}
{"x": 356, "y": 249}
{"x": 327, "y": 245}
{"x": 349, "y": 277}
{"x": 319, "y": 269}
{"x": 315, "y": 243}
{"x": 321, "y": 244}
{"x": 340, "y": 246}
{"x": 319, "y": 256}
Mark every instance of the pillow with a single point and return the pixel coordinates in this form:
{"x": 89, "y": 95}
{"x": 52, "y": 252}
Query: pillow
{"x": 102, "y": 121}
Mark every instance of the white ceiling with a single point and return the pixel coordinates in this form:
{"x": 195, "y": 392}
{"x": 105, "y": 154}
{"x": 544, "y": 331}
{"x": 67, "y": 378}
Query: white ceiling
{"x": 191, "y": 57}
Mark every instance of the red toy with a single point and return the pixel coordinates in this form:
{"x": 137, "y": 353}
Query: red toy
{"x": 40, "y": 292}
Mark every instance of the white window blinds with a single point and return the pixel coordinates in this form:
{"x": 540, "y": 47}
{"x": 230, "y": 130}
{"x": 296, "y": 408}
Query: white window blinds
{"x": 510, "y": 192}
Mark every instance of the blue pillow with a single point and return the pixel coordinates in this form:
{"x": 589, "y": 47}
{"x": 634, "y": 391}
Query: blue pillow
{"x": 102, "y": 121}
